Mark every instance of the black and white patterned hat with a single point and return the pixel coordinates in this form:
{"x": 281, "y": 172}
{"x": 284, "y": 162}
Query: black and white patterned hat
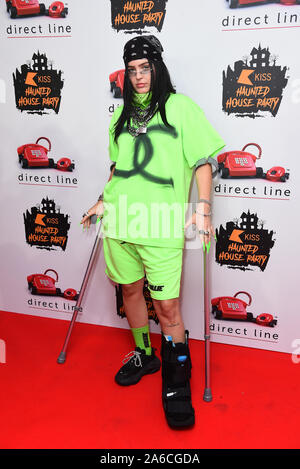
{"x": 141, "y": 47}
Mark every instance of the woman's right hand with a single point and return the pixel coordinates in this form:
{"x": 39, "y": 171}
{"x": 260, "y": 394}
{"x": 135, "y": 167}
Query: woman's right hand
{"x": 96, "y": 209}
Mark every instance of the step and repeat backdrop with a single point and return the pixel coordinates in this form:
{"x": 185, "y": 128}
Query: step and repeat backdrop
{"x": 61, "y": 79}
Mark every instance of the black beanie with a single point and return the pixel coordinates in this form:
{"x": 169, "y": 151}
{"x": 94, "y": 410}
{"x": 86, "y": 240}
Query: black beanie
{"x": 141, "y": 47}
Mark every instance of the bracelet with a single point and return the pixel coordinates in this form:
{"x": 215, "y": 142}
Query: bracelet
{"x": 100, "y": 197}
{"x": 204, "y": 214}
{"x": 205, "y": 201}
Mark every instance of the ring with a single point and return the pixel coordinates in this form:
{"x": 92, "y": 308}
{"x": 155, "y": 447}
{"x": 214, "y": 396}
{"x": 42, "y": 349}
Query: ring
{"x": 203, "y": 232}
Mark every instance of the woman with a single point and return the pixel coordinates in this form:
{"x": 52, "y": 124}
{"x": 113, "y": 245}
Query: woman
{"x": 157, "y": 139}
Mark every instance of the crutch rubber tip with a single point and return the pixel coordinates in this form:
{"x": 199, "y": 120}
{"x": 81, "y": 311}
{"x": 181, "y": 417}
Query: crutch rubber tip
{"x": 61, "y": 358}
{"x": 207, "y": 396}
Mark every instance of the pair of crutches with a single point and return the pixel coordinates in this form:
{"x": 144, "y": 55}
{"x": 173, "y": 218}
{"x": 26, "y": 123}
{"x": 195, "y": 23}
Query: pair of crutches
{"x": 207, "y": 397}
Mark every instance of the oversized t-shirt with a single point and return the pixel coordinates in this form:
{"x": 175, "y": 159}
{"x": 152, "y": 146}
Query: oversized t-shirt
{"x": 146, "y": 200}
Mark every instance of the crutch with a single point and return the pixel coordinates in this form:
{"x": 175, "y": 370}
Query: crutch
{"x": 207, "y": 396}
{"x": 62, "y": 356}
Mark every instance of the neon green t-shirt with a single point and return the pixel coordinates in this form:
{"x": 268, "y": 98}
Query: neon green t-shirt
{"x": 146, "y": 200}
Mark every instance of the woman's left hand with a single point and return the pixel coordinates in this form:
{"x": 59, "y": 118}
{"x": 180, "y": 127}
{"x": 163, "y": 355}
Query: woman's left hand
{"x": 204, "y": 227}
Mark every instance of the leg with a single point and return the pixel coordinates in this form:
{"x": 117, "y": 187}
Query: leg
{"x": 163, "y": 270}
{"x": 176, "y": 390}
{"x": 135, "y": 304}
{"x": 143, "y": 360}
{"x": 176, "y": 365}
{"x": 168, "y": 312}
{"x": 124, "y": 266}
{"x": 137, "y": 314}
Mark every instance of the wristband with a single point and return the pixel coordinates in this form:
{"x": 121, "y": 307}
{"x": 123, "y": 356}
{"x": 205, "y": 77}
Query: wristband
{"x": 204, "y": 214}
{"x": 205, "y": 201}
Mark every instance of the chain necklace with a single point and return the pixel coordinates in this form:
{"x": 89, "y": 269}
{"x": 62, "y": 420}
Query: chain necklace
{"x": 139, "y": 120}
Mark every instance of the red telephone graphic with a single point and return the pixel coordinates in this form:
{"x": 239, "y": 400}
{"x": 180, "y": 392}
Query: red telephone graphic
{"x": 42, "y": 284}
{"x": 33, "y": 155}
{"x": 276, "y": 174}
{"x": 17, "y": 8}
{"x": 116, "y": 80}
{"x": 237, "y": 3}
{"x": 240, "y": 163}
{"x": 57, "y": 10}
{"x": 234, "y": 309}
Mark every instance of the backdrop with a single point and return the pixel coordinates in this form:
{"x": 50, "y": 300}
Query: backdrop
{"x": 59, "y": 80}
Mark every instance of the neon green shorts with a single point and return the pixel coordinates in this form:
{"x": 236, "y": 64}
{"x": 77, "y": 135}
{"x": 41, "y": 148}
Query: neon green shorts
{"x": 127, "y": 262}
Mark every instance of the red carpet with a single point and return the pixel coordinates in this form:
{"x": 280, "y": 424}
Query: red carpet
{"x": 78, "y": 405}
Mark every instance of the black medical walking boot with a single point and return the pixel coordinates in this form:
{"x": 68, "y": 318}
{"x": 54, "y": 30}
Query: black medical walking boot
{"x": 136, "y": 365}
{"x": 176, "y": 391}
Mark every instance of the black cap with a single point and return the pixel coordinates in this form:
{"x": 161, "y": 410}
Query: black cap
{"x": 141, "y": 47}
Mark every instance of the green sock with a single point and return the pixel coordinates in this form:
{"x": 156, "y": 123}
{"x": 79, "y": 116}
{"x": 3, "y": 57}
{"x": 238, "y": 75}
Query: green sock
{"x": 142, "y": 338}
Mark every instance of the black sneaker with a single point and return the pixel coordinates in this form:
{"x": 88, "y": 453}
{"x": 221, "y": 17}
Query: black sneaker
{"x": 136, "y": 365}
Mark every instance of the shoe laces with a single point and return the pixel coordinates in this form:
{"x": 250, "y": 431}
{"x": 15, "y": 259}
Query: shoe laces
{"x": 134, "y": 357}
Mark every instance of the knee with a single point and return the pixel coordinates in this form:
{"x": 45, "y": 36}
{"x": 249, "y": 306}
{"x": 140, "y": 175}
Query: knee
{"x": 133, "y": 289}
{"x": 167, "y": 309}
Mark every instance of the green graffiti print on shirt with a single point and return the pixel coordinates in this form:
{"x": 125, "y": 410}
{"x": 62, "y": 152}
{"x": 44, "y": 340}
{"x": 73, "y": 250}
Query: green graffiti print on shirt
{"x": 144, "y": 141}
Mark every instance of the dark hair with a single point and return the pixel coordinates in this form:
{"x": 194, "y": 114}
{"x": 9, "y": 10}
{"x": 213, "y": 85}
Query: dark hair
{"x": 161, "y": 88}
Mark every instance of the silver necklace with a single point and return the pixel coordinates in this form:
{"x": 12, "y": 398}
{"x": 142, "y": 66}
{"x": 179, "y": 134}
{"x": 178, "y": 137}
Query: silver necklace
{"x": 139, "y": 120}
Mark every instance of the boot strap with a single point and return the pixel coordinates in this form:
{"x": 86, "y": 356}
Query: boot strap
{"x": 175, "y": 409}
{"x": 181, "y": 393}
{"x": 177, "y": 402}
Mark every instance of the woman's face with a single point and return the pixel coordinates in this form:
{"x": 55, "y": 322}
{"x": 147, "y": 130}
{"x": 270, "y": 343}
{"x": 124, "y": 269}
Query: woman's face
{"x": 139, "y": 72}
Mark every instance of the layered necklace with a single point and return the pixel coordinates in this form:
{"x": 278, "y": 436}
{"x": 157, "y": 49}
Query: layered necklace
{"x": 139, "y": 115}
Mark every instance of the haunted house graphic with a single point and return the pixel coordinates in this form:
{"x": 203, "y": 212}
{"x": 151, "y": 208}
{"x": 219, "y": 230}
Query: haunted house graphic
{"x": 244, "y": 243}
{"x": 46, "y": 227}
{"x": 255, "y": 85}
{"x": 38, "y": 86}
{"x": 136, "y": 15}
